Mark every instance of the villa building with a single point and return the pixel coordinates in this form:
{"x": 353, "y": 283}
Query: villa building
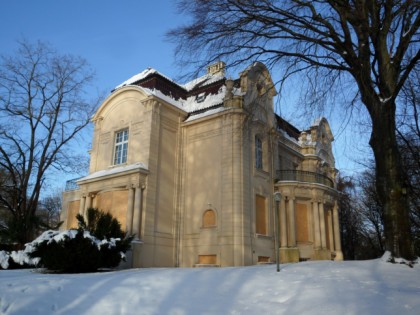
{"x": 192, "y": 170}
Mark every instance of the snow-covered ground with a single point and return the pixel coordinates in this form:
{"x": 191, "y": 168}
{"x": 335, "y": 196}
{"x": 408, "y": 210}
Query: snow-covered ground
{"x": 325, "y": 287}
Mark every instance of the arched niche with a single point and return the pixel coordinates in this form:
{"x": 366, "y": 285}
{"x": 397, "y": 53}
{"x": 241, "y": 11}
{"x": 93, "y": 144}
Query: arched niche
{"x": 209, "y": 219}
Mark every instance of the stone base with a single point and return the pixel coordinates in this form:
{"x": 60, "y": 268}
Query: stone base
{"x": 128, "y": 263}
{"x": 289, "y": 255}
{"x": 136, "y": 247}
{"x": 322, "y": 254}
{"x": 339, "y": 256}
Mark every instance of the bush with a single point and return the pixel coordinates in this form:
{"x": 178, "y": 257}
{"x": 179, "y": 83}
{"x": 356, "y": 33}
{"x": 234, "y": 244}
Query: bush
{"x": 8, "y": 247}
{"x": 16, "y": 260}
{"x": 4, "y": 259}
{"x": 100, "y": 224}
{"x": 76, "y": 251}
{"x": 97, "y": 243}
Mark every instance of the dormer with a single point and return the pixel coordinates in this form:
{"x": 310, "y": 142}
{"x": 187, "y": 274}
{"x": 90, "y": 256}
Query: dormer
{"x": 259, "y": 90}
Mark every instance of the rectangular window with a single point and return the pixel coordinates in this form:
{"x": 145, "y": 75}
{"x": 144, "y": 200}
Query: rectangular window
{"x": 258, "y": 153}
{"x": 263, "y": 259}
{"x": 260, "y": 215}
{"x": 207, "y": 259}
{"x": 121, "y": 147}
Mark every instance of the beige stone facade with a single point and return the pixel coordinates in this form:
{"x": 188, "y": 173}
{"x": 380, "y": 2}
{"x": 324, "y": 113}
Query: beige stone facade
{"x": 191, "y": 171}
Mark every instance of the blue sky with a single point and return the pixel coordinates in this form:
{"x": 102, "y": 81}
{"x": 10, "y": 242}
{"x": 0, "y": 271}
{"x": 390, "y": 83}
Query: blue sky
{"x": 120, "y": 39}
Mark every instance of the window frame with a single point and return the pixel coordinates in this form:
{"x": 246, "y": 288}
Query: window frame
{"x": 259, "y": 154}
{"x": 121, "y": 147}
{"x": 261, "y": 219}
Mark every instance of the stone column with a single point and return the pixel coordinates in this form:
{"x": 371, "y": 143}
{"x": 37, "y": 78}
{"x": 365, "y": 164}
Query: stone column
{"x": 322, "y": 224}
{"x": 292, "y": 222}
{"x": 137, "y": 212}
{"x": 330, "y": 230}
{"x": 82, "y": 205}
{"x": 337, "y": 239}
{"x": 130, "y": 210}
{"x": 283, "y": 224}
{"x": 317, "y": 236}
{"x": 88, "y": 204}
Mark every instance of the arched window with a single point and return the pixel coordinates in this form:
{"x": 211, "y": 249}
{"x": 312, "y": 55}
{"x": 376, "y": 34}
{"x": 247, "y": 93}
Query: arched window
{"x": 258, "y": 153}
{"x": 209, "y": 218}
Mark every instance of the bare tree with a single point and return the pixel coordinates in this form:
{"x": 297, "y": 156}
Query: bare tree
{"x": 42, "y": 109}
{"x": 408, "y": 137}
{"x": 371, "y": 209}
{"x": 372, "y": 43}
{"x": 350, "y": 219}
{"x": 49, "y": 209}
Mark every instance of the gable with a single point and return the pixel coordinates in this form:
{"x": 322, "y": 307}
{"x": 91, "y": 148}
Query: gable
{"x": 131, "y": 94}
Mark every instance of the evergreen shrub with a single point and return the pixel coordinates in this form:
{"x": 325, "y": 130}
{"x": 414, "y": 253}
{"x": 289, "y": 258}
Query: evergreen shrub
{"x": 96, "y": 244}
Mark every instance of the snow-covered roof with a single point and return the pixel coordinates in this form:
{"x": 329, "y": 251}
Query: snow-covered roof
{"x": 190, "y": 104}
{"x": 137, "y": 77}
{"x": 203, "y": 81}
{"x": 198, "y": 82}
{"x": 210, "y": 111}
{"x": 166, "y": 98}
{"x": 142, "y": 75}
{"x": 114, "y": 171}
{"x": 307, "y": 141}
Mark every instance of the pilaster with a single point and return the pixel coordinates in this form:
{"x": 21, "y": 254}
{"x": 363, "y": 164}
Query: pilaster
{"x": 137, "y": 212}
{"x": 337, "y": 239}
{"x": 82, "y": 205}
{"x": 283, "y": 224}
{"x": 322, "y": 224}
{"x": 317, "y": 235}
{"x": 130, "y": 210}
{"x": 292, "y": 222}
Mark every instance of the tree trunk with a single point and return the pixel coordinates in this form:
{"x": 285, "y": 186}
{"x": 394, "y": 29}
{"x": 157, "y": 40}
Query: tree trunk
{"x": 390, "y": 181}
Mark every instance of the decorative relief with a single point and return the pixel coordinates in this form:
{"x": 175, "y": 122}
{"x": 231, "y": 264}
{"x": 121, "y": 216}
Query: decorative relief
{"x": 92, "y": 195}
{"x": 302, "y": 192}
{"x": 149, "y": 103}
{"x": 135, "y": 180}
{"x": 329, "y": 199}
{"x": 98, "y": 122}
{"x": 105, "y": 137}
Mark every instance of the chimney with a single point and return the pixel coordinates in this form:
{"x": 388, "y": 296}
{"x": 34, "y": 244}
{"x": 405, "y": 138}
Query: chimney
{"x": 217, "y": 68}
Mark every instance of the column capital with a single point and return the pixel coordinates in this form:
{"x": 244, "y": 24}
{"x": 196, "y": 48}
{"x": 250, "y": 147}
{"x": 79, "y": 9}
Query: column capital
{"x": 140, "y": 186}
{"x": 289, "y": 198}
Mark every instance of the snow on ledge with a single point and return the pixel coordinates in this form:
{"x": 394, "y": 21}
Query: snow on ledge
{"x": 114, "y": 171}
{"x": 206, "y": 113}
